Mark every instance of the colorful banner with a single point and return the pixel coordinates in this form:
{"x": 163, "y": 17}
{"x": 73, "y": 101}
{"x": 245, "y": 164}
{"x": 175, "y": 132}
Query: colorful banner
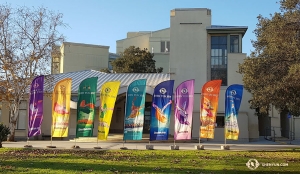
{"x": 86, "y": 107}
{"x": 233, "y": 98}
{"x": 35, "y": 114}
{"x": 108, "y": 96}
{"x": 135, "y": 106}
{"x": 161, "y": 110}
{"x": 209, "y": 106}
{"x": 61, "y": 108}
{"x": 184, "y": 103}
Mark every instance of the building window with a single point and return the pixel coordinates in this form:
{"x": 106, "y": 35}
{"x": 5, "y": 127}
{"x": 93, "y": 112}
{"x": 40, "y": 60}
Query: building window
{"x": 219, "y": 58}
{"x": 234, "y": 43}
{"x": 165, "y": 46}
{"x": 55, "y": 65}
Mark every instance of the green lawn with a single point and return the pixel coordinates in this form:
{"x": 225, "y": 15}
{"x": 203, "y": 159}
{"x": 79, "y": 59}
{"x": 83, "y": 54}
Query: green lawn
{"x": 142, "y": 161}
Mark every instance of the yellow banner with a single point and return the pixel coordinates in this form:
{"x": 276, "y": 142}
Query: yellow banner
{"x": 61, "y": 108}
{"x": 108, "y": 95}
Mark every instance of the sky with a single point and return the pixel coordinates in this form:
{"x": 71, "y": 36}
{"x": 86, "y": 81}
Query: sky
{"x": 103, "y": 22}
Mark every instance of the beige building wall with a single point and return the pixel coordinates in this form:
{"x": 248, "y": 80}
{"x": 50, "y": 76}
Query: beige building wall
{"x": 152, "y": 42}
{"x": 188, "y": 57}
{"x": 156, "y": 38}
{"x": 190, "y": 45}
{"x": 162, "y": 60}
{"x": 141, "y": 41}
{"x": 78, "y": 57}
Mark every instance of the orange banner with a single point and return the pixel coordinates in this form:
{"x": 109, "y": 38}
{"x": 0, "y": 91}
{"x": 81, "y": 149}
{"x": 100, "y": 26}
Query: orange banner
{"x": 209, "y": 106}
{"x": 61, "y": 108}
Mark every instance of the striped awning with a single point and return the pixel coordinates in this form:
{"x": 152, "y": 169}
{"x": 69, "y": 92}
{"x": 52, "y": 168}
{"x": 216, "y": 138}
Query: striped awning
{"x": 126, "y": 78}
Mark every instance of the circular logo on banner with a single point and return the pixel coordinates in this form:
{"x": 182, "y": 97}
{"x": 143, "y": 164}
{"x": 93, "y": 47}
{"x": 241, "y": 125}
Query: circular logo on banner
{"x": 210, "y": 89}
{"x": 162, "y": 90}
{"x": 252, "y": 164}
{"x": 107, "y": 90}
{"x": 36, "y": 85}
{"x": 184, "y": 90}
{"x": 233, "y": 92}
{"x": 135, "y": 89}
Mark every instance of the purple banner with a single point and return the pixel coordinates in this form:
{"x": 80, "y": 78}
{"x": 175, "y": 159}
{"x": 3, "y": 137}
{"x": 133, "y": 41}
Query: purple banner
{"x": 35, "y": 115}
{"x": 184, "y": 102}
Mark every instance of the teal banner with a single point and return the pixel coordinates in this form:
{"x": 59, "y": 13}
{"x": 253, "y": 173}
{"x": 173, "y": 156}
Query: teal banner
{"x": 86, "y": 107}
{"x": 135, "y": 106}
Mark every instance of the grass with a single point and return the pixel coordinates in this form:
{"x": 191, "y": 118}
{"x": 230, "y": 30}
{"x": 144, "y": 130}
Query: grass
{"x": 142, "y": 161}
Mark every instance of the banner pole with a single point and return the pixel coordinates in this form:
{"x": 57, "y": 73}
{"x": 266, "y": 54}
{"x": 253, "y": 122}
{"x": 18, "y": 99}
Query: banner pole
{"x": 225, "y": 133}
{"x": 201, "y": 96}
{"x": 27, "y": 141}
{"x": 51, "y": 132}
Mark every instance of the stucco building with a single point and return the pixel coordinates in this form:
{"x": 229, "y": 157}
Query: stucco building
{"x": 191, "y": 48}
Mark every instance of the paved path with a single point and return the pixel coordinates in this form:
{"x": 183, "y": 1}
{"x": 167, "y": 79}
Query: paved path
{"x": 257, "y": 146}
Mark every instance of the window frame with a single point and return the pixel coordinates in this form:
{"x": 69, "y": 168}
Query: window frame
{"x": 221, "y": 49}
{"x": 232, "y": 45}
{"x": 165, "y": 45}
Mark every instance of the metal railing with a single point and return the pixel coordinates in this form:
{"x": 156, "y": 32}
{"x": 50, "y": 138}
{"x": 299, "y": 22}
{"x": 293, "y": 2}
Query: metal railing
{"x": 270, "y": 134}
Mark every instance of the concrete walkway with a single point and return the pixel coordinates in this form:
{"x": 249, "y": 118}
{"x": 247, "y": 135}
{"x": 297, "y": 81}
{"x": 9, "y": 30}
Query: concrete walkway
{"x": 112, "y": 145}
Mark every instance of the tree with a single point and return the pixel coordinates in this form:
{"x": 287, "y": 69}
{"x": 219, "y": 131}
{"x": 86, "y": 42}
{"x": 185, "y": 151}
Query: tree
{"x": 27, "y": 41}
{"x": 4, "y": 131}
{"x": 106, "y": 70}
{"x": 271, "y": 72}
{"x": 135, "y": 60}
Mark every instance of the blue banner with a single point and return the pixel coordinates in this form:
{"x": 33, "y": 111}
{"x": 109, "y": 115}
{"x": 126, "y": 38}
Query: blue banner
{"x": 135, "y": 106}
{"x": 161, "y": 110}
{"x": 233, "y": 98}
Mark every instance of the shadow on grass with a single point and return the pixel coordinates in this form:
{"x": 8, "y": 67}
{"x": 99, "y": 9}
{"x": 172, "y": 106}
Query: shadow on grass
{"x": 18, "y": 166}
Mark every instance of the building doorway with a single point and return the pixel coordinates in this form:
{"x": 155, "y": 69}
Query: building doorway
{"x": 285, "y": 124}
{"x": 264, "y": 125}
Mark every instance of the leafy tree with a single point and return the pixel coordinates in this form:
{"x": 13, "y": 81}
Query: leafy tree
{"x": 106, "y": 70}
{"x": 135, "y": 60}
{"x": 27, "y": 40}
{"x": 271, "y": 72}
{"x": 4, "y": 131}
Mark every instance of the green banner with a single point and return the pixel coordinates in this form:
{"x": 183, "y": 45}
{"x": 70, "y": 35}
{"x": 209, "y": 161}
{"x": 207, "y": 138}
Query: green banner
{"x": 86, "y": 107}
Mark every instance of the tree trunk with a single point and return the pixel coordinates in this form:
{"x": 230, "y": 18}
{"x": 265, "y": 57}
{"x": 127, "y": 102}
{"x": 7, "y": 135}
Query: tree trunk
{"x": 0, "y": 144}
{"x": 14, "y": 115}
{"x": 11, "y": 136}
